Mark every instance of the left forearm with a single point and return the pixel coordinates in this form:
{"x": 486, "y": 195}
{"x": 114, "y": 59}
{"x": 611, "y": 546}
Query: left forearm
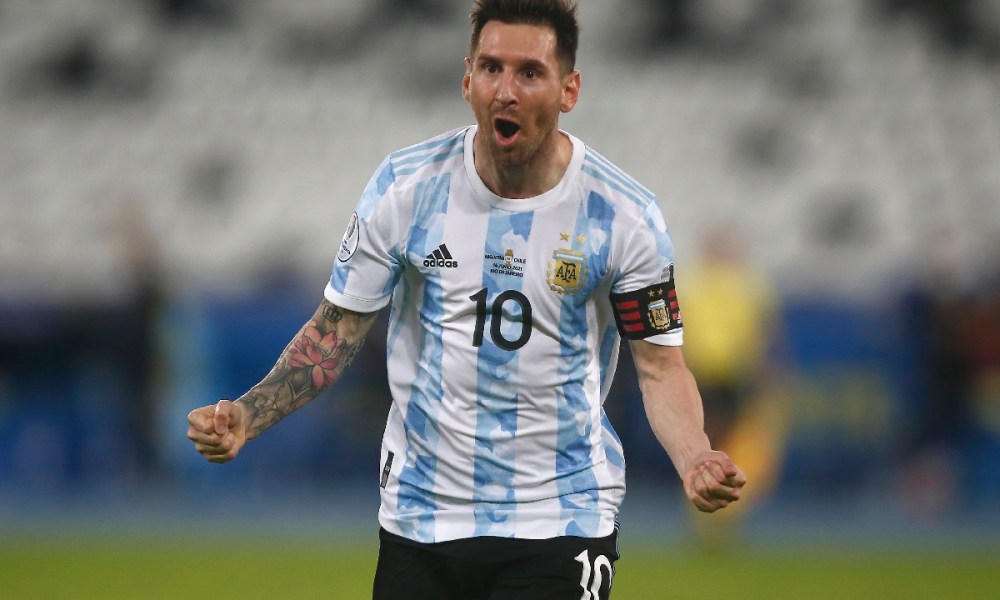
{"x": 673, "y": 405}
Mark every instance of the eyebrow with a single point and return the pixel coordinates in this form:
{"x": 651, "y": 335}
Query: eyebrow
{"x": 527, "y": 63}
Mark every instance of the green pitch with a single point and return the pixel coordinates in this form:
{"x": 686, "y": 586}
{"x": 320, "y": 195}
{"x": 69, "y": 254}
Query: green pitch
{"x": 225, "y": 567}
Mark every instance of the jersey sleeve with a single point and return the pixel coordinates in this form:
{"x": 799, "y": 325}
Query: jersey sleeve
{"x": 643, "y": 296}
{"x": 368, "y": 266}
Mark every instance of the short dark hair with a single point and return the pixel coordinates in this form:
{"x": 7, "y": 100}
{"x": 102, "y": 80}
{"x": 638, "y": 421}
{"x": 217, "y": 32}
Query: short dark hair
{"x": 560, "y": 15}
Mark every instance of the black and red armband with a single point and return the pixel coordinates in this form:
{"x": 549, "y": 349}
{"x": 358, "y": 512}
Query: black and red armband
{"x": 647, "y": 312}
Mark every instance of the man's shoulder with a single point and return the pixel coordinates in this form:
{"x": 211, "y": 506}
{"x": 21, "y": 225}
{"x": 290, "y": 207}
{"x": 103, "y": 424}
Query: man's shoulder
{"x": 613, "y": 183}
{"x": 439, "y": 151}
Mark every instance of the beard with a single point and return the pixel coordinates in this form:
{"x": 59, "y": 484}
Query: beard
{"x": 531, "y": 138}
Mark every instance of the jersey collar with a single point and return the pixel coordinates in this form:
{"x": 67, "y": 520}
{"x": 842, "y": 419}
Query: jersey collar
{"x": 484, "y": 194}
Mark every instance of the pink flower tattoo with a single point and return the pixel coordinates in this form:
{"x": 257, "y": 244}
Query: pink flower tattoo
{"x": 319, "y": 352}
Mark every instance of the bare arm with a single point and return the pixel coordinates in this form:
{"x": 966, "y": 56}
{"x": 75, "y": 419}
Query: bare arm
{"x": 674, "y": 409}
{"x": 312, "y": 362}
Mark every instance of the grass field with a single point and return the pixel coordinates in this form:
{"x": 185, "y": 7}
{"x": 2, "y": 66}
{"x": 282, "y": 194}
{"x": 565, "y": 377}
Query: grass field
{"x": 224, "y": 568}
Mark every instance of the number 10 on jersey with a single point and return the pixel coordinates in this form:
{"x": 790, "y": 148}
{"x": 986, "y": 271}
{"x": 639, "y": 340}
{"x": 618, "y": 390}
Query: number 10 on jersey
{"x": 495, "y": 315}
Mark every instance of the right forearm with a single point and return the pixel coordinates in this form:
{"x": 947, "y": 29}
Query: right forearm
{"x": 311, "y": 362}
{"x": 284, "y": 390}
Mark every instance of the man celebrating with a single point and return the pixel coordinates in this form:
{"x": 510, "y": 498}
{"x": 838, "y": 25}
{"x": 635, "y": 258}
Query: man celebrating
{"x": 514, "y": 258}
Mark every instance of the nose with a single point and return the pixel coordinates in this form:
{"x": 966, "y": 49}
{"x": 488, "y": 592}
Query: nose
{"x": 506, "y": 93}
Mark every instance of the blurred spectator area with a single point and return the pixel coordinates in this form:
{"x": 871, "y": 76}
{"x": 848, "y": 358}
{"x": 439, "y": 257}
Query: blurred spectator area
{"x": 845, "y": 137}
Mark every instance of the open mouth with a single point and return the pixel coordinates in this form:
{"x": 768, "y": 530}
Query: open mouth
{"x": 506, "y": 129}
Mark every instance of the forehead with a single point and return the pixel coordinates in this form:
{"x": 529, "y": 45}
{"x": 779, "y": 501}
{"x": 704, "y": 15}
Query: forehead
{"x": 518, "y": 42}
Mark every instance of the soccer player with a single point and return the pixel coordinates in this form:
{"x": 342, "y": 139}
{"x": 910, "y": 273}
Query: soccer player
{"x": 514, "y": 258}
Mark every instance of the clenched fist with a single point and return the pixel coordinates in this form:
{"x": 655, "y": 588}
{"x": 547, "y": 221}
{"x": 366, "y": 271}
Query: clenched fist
{"x": 713, "y": 481}
{"x": 218, "y": 431}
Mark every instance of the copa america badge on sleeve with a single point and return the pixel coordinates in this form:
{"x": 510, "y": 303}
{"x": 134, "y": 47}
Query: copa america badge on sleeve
{"x": 350, "y": 242}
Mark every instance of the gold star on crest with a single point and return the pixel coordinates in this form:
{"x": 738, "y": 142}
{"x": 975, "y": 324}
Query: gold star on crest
{"x": 655, "y": 293}
{"x": 564, "y": 237}
{"x": 580, "y": 239}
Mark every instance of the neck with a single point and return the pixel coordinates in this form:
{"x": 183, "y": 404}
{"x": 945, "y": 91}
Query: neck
{"x": 533, "y": 177}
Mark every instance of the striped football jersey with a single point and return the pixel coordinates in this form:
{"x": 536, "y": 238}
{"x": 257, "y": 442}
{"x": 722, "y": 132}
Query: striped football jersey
{"x": 506, "y": 319}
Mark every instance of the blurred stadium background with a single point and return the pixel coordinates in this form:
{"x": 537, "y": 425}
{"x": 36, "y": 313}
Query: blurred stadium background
{"x": 175, "y": 176}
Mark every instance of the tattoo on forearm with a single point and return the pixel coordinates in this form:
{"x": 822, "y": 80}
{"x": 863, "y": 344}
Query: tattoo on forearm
{"x": 312, "y": 362}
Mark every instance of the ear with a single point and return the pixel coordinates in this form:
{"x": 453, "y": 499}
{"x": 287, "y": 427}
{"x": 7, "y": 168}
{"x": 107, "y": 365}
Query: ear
{"x": 570, "y": 91}
{"x": 467, "y": 79}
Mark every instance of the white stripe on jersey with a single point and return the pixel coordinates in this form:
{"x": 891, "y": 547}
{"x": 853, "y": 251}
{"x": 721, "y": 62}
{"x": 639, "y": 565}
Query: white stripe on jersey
{"x": 502, "y": 342}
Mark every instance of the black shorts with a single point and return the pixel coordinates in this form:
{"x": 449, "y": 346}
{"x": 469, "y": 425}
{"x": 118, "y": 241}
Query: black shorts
{"x": 492, "y": 568}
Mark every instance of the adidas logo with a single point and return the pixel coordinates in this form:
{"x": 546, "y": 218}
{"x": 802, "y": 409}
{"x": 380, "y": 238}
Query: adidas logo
{"x": 441, "y": 258}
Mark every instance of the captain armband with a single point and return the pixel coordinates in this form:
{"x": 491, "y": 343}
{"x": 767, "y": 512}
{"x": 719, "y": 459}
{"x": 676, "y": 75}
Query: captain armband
{"x": 647, "y": 312}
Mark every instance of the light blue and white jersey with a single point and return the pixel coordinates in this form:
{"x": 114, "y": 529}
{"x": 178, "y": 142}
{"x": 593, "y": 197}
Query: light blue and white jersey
{"x": 502, "y": 339}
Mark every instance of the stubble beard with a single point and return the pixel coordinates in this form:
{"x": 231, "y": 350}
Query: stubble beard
{"x": 521, "y": 155}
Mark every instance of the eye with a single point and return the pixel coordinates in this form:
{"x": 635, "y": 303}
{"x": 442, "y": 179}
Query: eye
{"x": 491, "y": 68}
{"x": 531, "y": 74}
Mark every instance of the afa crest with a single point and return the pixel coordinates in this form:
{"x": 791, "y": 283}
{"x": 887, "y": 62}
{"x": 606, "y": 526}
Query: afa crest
{"x": 567, "y": 272}
{"x": 659, "y": 316}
